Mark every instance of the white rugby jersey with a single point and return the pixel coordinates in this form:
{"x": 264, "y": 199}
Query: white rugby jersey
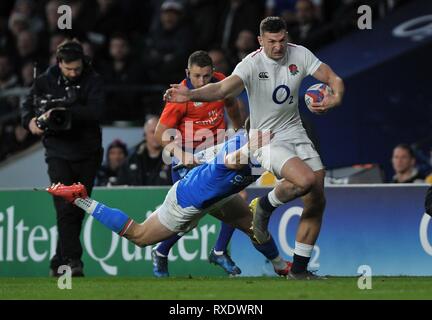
{"x": 273, "y": 86}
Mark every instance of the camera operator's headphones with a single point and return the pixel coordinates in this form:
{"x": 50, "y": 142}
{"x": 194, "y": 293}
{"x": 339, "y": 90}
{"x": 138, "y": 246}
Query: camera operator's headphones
{"x": 73, "y": 47}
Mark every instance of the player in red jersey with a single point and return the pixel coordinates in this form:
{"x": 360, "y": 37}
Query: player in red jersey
{"x": 197, "y": 125}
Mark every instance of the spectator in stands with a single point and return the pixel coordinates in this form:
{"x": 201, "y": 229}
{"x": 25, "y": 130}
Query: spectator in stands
{"x": 28, "y": 9}
{"x": 26, "y": 74}
{"x": 221, "y": 62}
{"x": 404, "y": 165}
{"x": 17, "y": 23}
{"x": 239, "y": 15}
{"x": 246, "y": 42}
{"x": 83, "y": 17}
{"x": 27, "y": 48}
{"x": 51, "y": 15}
{"x": 281, "y": 8}
{"x": 145, "y": 166}
{"x": 115, "y": 157}
{"x": 108, "y": 20}
{"x": 6, "y": 37}
{"x": 309, "y": 31}
{"x": 204, "y": 15}
{"x": 167, "y": 46}
{"x": 8, "y": 80}
{"x": 121, "y": 70}
{"x": 13, "y": 137}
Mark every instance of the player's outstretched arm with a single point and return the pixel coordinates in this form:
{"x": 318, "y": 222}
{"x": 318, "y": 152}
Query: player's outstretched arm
{"x": 229, "y": 87}
{"x": 326, "y": 75}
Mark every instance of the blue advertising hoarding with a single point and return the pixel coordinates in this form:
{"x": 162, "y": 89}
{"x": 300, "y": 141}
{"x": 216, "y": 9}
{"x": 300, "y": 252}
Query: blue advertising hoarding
{"x": 381, "y": 226}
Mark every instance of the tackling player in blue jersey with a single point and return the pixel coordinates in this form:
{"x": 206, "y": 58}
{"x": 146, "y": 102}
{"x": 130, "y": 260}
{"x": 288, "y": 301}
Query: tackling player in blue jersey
{"x": 210, "y": 188}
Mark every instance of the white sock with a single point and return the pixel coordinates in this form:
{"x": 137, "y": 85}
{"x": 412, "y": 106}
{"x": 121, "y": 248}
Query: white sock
{"x": 274, "y": 201}
{"x": 218, "y": 253}
{"x": 303, "y": 249}
{"x": 87, "y": 204}
{"x": 278, "y": 263}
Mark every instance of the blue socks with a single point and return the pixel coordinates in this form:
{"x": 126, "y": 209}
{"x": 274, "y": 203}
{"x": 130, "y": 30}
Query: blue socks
{"x": 165, "y": 246}
{"x": 224, "y": 237}
{"x": 114, "y": 219}
{"x": 268, "y": 249}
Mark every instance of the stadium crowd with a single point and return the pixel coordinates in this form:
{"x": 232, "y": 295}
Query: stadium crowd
{"x": 140, "y": 47}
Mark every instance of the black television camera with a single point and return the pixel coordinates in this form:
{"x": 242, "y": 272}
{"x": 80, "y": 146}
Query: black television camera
{"x": 54, "y": 114}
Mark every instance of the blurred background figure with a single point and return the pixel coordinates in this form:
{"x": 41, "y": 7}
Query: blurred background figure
{"x": 404, "y": 165}
{"x": 145, "y": 165}
{"x": 115, "y": 157}
{"x": 28, "y": 9}
{"x": 246, "y": 42}
{"x": 120, "y": 71}
{"x": 167, "y": 45}
{"x": 308, "y": 31}
{"x": 220, "y": 61}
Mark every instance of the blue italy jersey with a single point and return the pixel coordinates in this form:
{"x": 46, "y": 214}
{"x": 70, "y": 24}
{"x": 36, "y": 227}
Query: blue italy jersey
{"x": 212, "y": 181}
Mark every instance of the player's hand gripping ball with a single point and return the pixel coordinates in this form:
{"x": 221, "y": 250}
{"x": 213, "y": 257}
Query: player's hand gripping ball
{"x": 316, "y": 93}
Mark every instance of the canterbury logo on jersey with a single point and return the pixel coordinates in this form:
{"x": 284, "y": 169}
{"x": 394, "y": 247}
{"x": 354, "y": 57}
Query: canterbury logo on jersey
{"x": 263, "y": 75}
{"x": 198, "y": 104}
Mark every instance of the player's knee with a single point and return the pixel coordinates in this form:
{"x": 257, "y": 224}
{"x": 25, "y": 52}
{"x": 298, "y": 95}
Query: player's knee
{"x": 139, "y": 237}
{"x": 141, "y": 242}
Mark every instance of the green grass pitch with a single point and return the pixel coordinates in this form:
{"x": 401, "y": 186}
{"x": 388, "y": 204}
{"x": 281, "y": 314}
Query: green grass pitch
{"x": 216, "y": 288}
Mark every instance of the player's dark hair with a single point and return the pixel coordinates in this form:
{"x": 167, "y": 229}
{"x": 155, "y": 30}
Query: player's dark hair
{"x": 406, "y": 147}
{"x": 201, "y": 59}
{"x": 272, "y": 25}
{"x": 70, "y": 50}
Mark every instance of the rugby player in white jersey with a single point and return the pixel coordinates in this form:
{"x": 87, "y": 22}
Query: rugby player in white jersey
{"x": 272, "y": 76}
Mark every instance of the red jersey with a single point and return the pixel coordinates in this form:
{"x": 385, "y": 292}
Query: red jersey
{"x": 189, "y": 117}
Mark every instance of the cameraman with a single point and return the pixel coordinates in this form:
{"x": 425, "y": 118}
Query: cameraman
{"x": 64, "y": 107}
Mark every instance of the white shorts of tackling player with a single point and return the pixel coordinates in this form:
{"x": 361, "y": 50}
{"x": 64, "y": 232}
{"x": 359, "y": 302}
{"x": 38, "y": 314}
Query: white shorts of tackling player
{"x": 273, "y": 156}
{"x": 182, "y": 220}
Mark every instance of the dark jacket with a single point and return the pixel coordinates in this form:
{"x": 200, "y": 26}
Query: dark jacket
{"x": 84, "y": 138}
{"x": 141, "y": 170}
{"x": 106, "y": 177}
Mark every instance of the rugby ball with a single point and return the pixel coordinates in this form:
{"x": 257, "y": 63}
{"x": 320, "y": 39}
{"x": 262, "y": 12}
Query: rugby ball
{"x": 316, "y": 93}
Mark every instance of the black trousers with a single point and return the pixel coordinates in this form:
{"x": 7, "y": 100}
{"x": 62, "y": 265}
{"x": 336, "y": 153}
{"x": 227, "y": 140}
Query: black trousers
{"x": 70, "y": 217}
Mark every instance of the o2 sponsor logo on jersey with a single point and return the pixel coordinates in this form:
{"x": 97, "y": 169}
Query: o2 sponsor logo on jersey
{"x": 282, "y": 94}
